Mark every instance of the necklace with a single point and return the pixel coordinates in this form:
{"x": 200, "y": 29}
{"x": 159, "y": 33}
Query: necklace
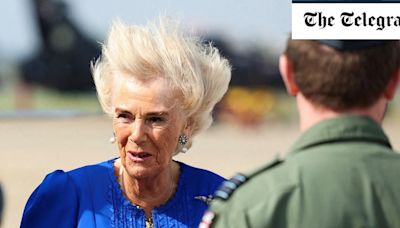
{"x": 149, "y": 222}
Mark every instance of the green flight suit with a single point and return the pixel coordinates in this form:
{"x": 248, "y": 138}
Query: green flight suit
{"x": 341, "y": 172}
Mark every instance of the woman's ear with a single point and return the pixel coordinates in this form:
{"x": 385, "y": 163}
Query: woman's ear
{"x": 188, "y": 129}
{"x": 391, "y": 88}
{"x": 287, "y": 73}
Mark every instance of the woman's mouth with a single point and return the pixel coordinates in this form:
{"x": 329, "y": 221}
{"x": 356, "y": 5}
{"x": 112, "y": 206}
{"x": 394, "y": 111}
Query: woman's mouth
{"x": 138, "y": 156}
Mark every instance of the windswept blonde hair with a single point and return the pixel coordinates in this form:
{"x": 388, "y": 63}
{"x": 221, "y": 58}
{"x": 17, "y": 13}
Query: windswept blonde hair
{"x": 194, "y": 69}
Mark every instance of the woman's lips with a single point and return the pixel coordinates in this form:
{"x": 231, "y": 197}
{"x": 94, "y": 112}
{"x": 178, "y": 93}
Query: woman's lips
{"x": 138, "y": 156}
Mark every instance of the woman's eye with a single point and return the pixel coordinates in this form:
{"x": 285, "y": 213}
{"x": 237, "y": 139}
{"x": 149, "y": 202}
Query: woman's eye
{"x": 123, "y": 116}
{"x": 155, "y": 119}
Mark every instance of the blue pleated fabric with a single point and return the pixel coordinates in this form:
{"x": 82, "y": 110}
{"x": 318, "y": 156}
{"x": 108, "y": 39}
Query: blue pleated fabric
{"x": 91, "y": 197}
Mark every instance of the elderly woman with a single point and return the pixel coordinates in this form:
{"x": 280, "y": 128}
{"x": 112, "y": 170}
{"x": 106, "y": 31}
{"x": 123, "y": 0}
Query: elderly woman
{"x": 159, "y": 86}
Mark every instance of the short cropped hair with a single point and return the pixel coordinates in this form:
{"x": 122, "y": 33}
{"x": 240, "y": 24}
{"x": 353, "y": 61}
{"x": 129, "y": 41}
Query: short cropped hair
{"x": 342, "y": 80}
{"x": 193, "y": 68}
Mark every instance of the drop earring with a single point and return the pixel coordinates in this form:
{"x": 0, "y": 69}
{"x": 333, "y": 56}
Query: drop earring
{"x": 183, "y": 140}
{"x": 113, "y": 139}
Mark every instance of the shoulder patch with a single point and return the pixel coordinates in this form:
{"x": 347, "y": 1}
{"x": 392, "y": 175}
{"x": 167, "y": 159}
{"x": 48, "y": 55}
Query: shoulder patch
{"x": 229, "y": 186}
{"x": 207, "y": 219}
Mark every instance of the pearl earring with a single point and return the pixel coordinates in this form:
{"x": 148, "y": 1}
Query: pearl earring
{"x": 183, "y": 139}
{"x": 113, "y": 139}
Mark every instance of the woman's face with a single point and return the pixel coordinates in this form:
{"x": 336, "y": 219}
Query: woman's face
{"x": 147, "y": 122}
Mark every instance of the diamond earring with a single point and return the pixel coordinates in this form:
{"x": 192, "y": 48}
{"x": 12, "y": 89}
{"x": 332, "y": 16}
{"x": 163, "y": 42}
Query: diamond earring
{"x": 183, "y": 139}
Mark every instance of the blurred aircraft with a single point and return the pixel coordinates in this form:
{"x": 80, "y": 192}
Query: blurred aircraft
{"x": 63, "y": 60}
{"x": 250, "y": 68}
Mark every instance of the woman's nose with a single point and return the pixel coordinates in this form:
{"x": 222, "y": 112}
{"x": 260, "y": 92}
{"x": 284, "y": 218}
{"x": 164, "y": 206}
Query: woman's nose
{"x": 138, "y": 132}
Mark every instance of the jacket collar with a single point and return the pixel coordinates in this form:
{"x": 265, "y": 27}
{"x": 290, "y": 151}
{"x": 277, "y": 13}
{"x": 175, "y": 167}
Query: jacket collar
{"x": 343, "y": 128}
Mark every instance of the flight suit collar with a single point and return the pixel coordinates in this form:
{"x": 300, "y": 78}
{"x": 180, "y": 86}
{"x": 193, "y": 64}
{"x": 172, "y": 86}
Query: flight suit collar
{"x": 343, "y": 128}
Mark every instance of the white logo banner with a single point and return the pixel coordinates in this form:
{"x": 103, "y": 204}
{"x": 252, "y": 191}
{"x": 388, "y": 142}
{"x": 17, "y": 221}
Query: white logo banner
{"x": 341, "y": 21}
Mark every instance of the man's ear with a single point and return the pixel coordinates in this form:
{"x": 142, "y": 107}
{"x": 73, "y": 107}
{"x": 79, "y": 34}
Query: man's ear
{"x": 287, "y": 73}
{"x": 391, "y": 87}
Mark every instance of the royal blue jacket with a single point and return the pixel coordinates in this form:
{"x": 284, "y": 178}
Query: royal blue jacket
{"x": 91, "y": 197}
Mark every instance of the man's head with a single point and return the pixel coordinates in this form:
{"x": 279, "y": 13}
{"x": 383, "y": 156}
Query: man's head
{"x": 343, "y": 77}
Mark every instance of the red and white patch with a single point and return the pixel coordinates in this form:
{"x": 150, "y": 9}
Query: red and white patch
{"x": 207, "y": 219}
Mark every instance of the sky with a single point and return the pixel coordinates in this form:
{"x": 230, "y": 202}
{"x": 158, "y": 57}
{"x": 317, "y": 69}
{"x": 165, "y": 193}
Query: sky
{"x": 266, "y": 22}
